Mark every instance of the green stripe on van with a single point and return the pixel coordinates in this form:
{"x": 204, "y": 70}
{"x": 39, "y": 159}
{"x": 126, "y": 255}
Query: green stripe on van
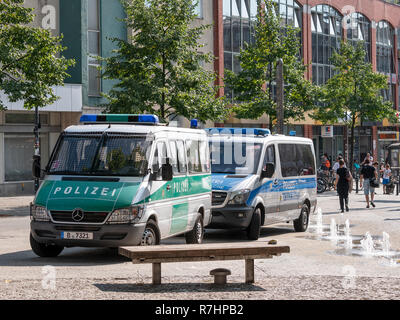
{"x": 180, "y": 215}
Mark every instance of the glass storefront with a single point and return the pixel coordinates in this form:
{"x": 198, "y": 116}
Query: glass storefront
{"x": 18, "y": 158}
{"x": 332, "y": 146}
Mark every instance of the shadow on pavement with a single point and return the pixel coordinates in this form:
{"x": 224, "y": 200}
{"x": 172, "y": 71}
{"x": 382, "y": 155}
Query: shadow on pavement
{"x": 22, "y": 211}
{"x": 238, "y": 235}
{"x": 176, "y": 287}
{"x": 69, "y": 257}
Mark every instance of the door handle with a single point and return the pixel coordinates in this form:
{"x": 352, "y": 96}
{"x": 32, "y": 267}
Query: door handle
{"x": 168, "y": 187}
{"x": 275, "y": 182}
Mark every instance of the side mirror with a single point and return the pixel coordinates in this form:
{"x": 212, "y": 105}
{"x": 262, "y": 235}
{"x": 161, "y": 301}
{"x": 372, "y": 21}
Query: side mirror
{"x": 269, "y": 171}
{"x": 36, "y": 171}
{"x": 166, "y": 171}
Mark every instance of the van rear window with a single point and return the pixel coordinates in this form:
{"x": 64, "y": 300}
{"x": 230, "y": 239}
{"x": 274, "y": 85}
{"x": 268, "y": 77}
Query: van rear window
{"x": 296, "y": 160}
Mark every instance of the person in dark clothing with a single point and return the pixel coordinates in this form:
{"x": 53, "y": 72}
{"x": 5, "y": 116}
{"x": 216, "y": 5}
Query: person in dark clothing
{"x": 343, "y": 176}
{"x": 367, "y": 173}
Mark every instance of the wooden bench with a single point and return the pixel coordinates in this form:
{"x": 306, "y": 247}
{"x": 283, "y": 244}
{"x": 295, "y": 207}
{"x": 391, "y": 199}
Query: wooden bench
{"x": 247, "y": 251}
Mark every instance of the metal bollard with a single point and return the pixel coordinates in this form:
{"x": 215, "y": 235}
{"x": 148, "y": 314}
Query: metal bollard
{"x": 397, "y": 187}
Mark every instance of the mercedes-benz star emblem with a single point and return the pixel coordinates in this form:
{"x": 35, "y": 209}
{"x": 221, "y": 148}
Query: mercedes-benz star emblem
{"x": 78, "y": 215}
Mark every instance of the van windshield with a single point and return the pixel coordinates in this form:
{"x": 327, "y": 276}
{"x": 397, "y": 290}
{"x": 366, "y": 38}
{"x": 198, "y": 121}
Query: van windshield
{"x": 96, "y": 154}
{"x": 235, "y": 157}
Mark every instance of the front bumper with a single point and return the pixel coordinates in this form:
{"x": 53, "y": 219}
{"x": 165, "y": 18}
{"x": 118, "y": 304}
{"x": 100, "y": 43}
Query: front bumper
{"x": 103, "y": 235}
{"x": 231, "y": 217}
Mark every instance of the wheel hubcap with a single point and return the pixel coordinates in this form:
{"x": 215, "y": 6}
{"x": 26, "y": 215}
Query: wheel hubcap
{"x": 199, "y": 232}
{"x": 149, "y": 238}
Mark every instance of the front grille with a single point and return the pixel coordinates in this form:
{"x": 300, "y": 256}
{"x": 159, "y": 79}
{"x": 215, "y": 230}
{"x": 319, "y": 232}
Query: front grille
{"x": 78, "y": 228}
{"x": 218, "y": 198}
{"x": 89, "y": 217}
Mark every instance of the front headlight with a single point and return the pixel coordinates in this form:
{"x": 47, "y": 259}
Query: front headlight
{"x": 39, "y": 213}
{"x": 125, "y": 215}
{"x": 239, "y": 197}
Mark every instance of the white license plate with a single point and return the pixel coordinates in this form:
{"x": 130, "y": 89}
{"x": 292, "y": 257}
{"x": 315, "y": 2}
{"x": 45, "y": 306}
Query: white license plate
{"x": 76, "y": 235}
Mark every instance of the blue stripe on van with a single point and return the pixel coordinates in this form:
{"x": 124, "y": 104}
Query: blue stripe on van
{"x": 283, "y": 185}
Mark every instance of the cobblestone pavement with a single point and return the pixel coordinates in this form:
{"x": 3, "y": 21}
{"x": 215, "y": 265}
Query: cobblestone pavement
{"x": 314, "y": 269}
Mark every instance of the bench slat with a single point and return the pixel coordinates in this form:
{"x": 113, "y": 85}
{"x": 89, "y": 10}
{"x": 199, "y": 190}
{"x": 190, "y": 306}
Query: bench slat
{"x": 203, "y": 250}
{"x": 196, "y": 259}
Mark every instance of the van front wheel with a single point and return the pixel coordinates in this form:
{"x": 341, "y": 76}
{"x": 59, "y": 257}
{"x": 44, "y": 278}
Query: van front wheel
{"x": 253, "y": 230}
{"x": 196, "y": 235}
{"x": 44, "y": 250}
{"x": 151, "y": 234}
{"x": 301, "y": 224}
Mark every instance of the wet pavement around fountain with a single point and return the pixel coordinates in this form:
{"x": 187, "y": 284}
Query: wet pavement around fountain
{"x": 319, "y": 265}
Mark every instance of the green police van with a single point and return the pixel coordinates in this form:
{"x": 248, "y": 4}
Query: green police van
{"x": 122, "y": 180}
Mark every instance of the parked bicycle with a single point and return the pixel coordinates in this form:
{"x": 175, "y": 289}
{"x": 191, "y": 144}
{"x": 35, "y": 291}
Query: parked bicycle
{"x": 324, "y": 181}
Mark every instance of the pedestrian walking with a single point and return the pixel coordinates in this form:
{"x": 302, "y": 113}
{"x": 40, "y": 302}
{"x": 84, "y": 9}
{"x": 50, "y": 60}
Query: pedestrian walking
{"x": 368, "y": 180}
{"x": 387, "y": 173}
{"x": 342, "y": 185}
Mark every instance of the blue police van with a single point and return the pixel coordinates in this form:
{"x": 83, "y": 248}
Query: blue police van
{"x": 260, "y": 179}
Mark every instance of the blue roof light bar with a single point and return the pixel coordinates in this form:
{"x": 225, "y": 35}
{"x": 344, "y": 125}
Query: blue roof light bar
{"x": 120, "y": 118}
{"x": 239, "y": 131}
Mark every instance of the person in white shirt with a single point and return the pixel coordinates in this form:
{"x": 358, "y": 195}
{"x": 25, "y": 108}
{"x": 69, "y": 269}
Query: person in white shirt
{"x": 386, "y": 177}
{"x": 337, "y": 165}
{"x": 369, "y": 157}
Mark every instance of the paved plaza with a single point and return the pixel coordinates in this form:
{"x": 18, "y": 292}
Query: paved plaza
{"x": 316, "y": 268}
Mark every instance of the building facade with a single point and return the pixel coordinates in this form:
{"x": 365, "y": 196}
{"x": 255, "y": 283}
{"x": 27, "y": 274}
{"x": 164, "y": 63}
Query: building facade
{"x": 86, "y": 26}
{"x": 323, "y": 24}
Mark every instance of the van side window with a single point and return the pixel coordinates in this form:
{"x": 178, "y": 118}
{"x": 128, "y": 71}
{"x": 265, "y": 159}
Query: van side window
{"x": 296, "y": 160}
{"x": 178, "y": 156}
{"x": 160, "y": 156}
{"x": 305, "y": 160}
{"x": 193, "y": 156}
{"x": 269, "y": 156}
{"x": 287, "y": 155}
{"x": 204, "y": 156}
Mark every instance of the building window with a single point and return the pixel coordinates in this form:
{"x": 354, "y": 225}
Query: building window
{"x": 385, "y": 56}
{"x": 93, "y": 34}
{"x": 290, "y": 13}
{"x": 239, "y": 19}
{"x": 359, "y": 29}
{"x": 198, "y": 10}
{"x": 18, "y": 158}
{"x": 25, "y": 118}
{"x": 326, "y": 30}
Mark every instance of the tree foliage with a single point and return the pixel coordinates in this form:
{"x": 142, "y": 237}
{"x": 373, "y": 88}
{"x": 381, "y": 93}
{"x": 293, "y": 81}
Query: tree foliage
{"x": 160, "y": 68}
{"x": 29, "y": 61}
{"x": 353, "y": 93}
{"x": 253, "y": 85}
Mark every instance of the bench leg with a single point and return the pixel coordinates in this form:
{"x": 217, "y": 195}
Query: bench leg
{"x": 156, "y": 273}
{"x": 249, "y": 270}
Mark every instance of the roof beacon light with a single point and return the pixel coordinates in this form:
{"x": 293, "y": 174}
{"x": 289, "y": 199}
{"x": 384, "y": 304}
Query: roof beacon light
{"x": 120, "y": 118}
{"x": 194, "y": 123}
{"x": 239, "y": 131}
{"x": 292, "y": 133}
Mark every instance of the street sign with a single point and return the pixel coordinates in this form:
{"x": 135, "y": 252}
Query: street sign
{"x": 327, "y": 131}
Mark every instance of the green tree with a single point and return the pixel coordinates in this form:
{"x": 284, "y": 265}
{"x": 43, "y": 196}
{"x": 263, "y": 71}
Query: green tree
{"x": 253, "y": 85}
{"x": 29, "y": 58}
{"x": 353, "y": 93}
{"x": 160, "y": 68}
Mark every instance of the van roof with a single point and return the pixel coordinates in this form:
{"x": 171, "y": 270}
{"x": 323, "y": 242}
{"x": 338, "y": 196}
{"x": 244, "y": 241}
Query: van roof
{"x": 128, "y": 128}
{"x": 261, "y": 139}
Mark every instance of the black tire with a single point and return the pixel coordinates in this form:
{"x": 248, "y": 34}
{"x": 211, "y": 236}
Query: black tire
{"x": 151, "y": 235}
{"x": 253, "y": 230}
{"x": 301, "y": 224}
{"x": 321, "y": 185}
{"x": 44, "y": 250}
{"x": 196, "y": 235}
